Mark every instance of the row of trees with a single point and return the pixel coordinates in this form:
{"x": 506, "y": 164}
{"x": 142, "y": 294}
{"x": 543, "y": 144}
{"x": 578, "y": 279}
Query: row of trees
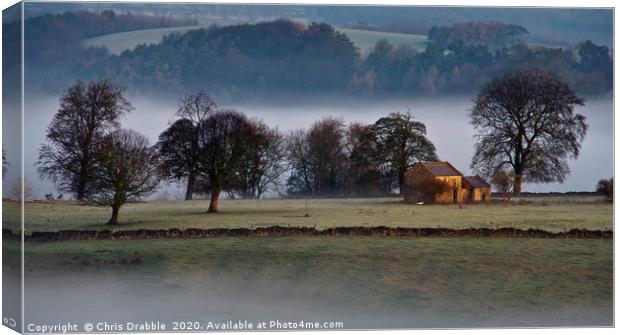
{"x": 90, "y": 156}
{"x": 495, "y": 35}
{"x": 282, "y": 56}
{"x": 258, "y": 60}
{"x": 54, "y": 49}
{"x": 525, "y": 122}
{"x": 267, "y": 57}
{"x": 330, "y": 158}
{"x": 217, "y": 150}
{"x": 460, "y": 67}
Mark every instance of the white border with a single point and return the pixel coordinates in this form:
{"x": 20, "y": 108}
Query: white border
{"x": 478, "y": 3}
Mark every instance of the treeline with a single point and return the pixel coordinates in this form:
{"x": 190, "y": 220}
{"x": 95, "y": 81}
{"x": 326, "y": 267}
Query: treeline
{"x": 87, "y": 24}
{"x": 495, "y": 35}
{"x": 285, "y": 57}
{"x": 280, "y": 56}
{"x": 216, "y": 150}
{"x": 53, "y": 43}
{"x": 462, "y": 68}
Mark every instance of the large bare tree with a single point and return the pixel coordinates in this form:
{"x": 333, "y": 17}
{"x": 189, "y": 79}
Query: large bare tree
{"x": 178, "y": 145}
{"x": 87, "y": 112}
{"x": 125, "y": 169}
{"x": 525, "y": 121}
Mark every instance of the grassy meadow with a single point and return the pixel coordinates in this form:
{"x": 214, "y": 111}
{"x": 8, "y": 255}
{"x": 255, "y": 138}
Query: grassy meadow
{"x": 363, "y": 39}
{"x": 363, "y": 281}
{"x": 552, "y": 214}
{"x": 366, "y": 282}
{"x": 366, "y": 39}
{"x": 119, "y": 42}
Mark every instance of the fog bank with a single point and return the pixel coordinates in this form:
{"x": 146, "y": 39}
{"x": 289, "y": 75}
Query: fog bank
{"x": 446, "y": 119}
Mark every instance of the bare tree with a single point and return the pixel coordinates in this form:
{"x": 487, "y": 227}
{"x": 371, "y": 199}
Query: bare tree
{"x": 318, "y": 158}
{"x": 196, "y": 107}
{"x": 87, "y": 112}
{"x": 180, "y": 154}
{"x": 525, "y": 122}
{"x": 125, "y": 169}
{"x": 262, "y": 163}
{"x": 17, "y": 189}
{"x": 223, "y": 143}
{"x": 178, "y": 145}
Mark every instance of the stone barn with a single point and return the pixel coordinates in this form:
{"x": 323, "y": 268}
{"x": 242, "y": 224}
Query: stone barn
{"x": 450, "y": 185}
{"x": 476, "y": 189}
{"x": 425, "y": 172}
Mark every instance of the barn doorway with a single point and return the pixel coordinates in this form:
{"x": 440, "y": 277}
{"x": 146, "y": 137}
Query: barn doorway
{"x": 455, "y": 196}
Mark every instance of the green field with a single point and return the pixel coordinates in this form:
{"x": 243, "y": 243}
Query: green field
{"x": 366, "y": 39}
{"x": 553, "y": 215}
{"x": 119, "y": 42}
{"x": 365, "y": 282}
{"x": 363, "y": 39}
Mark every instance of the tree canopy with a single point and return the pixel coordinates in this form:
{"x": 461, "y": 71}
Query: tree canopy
{"x": 179, "y": 145}
{"x": 493, "y": 34}
{"x": 249, "y": 61}
{"x": 87, "y": 113}
{"x": 401, "y": 142}
{"x": 125, "y": 169}
{"x": 525, "y": 121}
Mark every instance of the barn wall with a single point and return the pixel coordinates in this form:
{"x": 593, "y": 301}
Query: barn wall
{"x": 487, "y": 192}
{"x": 478, "y": 193}
{"x": 412, "y": 176}
{"x": 465, "y": 194}
{"x": 456, "y": 183}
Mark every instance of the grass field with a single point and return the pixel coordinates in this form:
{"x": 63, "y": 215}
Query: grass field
{"x": 552, "y": 215}
{"x": 119, "y": 42}
{"x": 363, "y": 39}
{"x": 365, "y": 282}
{"x": 366, "y": 39}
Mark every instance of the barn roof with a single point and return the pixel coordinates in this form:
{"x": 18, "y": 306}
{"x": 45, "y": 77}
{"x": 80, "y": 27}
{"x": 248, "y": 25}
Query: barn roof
{"x": 441, "y": 169}
{"x": 476, "y": 181}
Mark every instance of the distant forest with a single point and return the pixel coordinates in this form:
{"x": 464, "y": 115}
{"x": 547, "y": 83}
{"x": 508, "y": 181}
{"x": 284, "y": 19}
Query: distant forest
{"x": 281, "y": 56}
{"x": 53, "y": 45}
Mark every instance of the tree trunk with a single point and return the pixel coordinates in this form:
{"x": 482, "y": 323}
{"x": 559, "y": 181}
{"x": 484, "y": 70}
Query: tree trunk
{"x": 189, "y": 194}
{"x": 517, "y": 184}
{"x": 114, "y": 219}
{"x": 81, "y": 188}
{"x": 401, "y": 183}
{"x": 215, "y": 198}
{"x": 81, "y": 182}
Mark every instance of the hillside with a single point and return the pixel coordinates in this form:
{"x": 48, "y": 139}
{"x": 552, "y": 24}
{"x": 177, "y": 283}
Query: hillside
{"x": 364, "y": 40}
{"x": 546, "y": 25}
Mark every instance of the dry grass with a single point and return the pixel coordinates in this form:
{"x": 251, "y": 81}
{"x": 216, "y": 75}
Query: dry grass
{"x": 319, "y": 213}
